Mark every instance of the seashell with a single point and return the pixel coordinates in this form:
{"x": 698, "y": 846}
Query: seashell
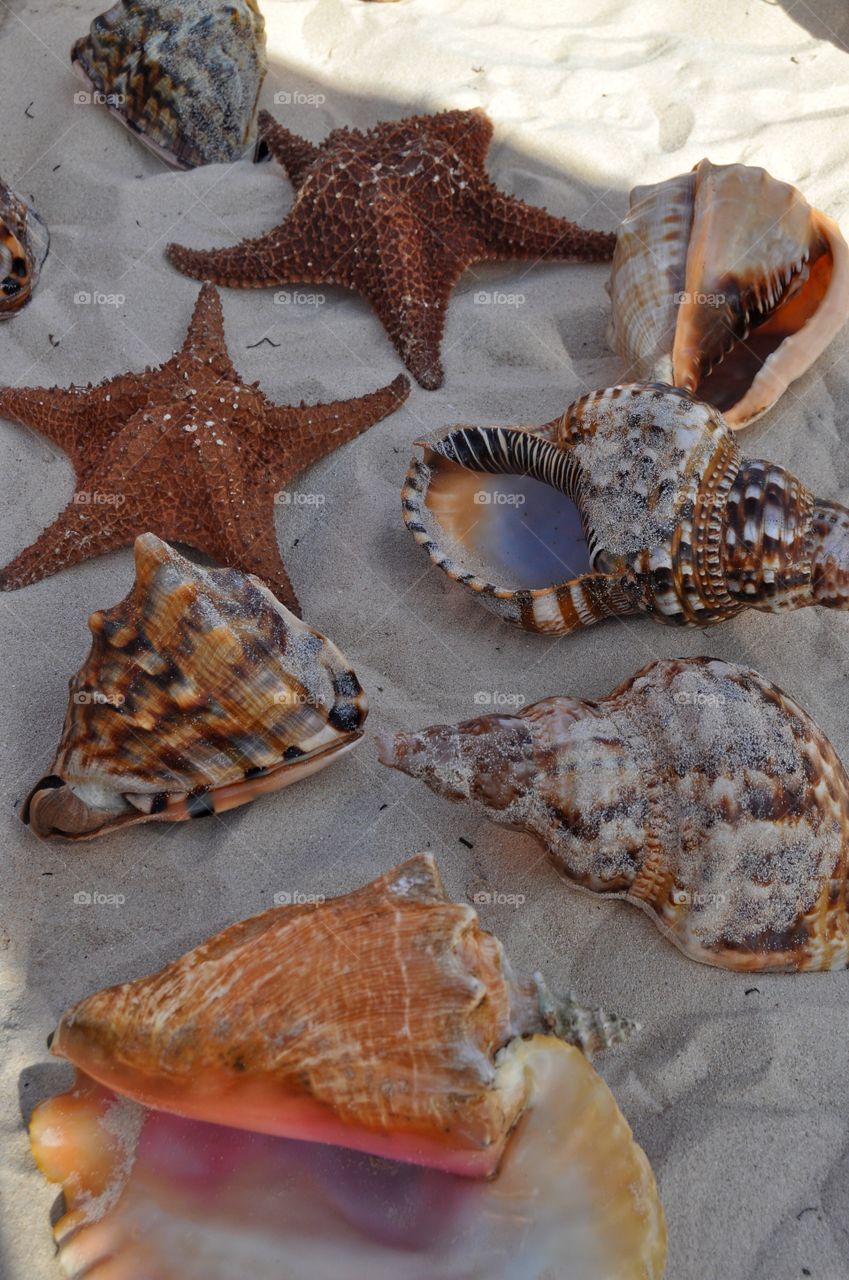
{"x": 184, "y": 75}
{"x": 201, "y": 691}
{"x": 24, "y": 242}
{"x": 696, "y": 790}
{"x": 726, "y": 282}
{"x": 635, "y": 501}
{"x": 384, "y": 1022}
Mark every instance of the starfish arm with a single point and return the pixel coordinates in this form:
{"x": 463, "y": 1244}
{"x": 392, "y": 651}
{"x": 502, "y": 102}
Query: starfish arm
{"x": 512, "y": 229}
{"x": 411, "y": 289}
{"x": 310, "y": 432}
{"x": 295, "y": 154}
{"x": 245, "y": 538}
{"x": 80, "y": 420}
{"x": 469, "y": 133}
{"x": 288, "y": 254}
{"x": 80, "y": 532}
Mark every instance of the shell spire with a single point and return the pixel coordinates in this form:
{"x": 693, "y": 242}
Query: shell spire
{"x": 696, "y": 790}
{"x": 641, "y": 503}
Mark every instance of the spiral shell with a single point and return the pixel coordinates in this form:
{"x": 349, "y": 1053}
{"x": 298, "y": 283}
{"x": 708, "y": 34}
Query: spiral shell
{"x": 696, "y": 790}
{"x": 665, "y": 515}
{"x": 385, "y": 1021}
{"x": 184, "y": 75}
{"x": 24, "y": 242}
{"x": 201, "y": 692}
{"x": 727, "y": 283}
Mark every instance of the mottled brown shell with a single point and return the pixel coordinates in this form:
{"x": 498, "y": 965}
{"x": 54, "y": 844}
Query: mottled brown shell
{"x": 675, "y": 523}
{"x": 727, "y": 283}
{"x": 184, "y": 75}
{"x": 200, "y": 692}
{"x": 24, "y": 242}
{"x": 696, "y": 790}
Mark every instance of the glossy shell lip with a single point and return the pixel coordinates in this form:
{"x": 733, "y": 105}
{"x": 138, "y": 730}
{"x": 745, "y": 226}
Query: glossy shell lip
{"x": 727, "y": 283}
{"x": 212, "y": 1128}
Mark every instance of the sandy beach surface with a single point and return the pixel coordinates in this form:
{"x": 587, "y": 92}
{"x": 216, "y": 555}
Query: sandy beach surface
{"x": 736, "y": 1087}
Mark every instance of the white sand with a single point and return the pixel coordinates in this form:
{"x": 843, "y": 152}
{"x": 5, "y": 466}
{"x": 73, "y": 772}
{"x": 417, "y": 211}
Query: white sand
{"x": 737, "y": 1086}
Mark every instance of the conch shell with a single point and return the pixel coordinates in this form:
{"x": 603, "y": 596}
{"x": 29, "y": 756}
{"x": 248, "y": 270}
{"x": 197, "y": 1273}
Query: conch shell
{"x": 385, "y": 1022}
{"x": 24, "y": 242}
{"x": 184, "y": 75}
{"x": 727, "y": 283}
{"x": 201, "y": 692}
{"x": 696, "y": 790}
{"x": 638, "y": 502}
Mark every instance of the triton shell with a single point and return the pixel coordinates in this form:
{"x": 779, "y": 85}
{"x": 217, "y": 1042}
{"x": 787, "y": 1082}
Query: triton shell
{"x": 696, "y": 790}
{"x": 727, "y": 283}
{"x": 24, "y": 241}
{"x": 635, "y": 501}
{"x": 358, "y": 1087}
{"x": 201, "y": 692}
{"x": 184, "y": 75}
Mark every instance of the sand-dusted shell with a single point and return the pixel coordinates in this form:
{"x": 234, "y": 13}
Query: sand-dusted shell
{"x": 184, "y": 75}
{"x": 384, "y": 1022}
{"x": 24, "y": 242}
{"x": 696, "y": 790}
{"x": 727, "y": 283}
{"x": 201, "y": 691}
{"x": 636, "y": 500}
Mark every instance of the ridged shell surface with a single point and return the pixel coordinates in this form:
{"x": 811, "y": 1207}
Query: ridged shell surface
{"x": 220, "y": 1106}
{"x": 696, "y": 790}
{"x": 200, "y": 691}
{"x": 184, "y": 75}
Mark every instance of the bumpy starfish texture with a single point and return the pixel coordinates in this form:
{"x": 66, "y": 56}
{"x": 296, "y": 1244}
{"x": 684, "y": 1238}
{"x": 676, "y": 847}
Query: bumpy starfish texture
{"x": 186, "y": 450}
{"x": 398, "y": 214}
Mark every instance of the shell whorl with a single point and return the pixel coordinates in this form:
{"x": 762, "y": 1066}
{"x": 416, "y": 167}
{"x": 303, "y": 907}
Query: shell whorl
{"x": 676, "y": 523}
{"x": 696, "y": 790}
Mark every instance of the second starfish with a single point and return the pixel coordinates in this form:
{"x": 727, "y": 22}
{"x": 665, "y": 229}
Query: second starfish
{"x": 187, "y": 450}
{"x": 398, "y": 214}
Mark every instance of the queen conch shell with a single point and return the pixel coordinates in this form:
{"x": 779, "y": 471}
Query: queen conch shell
{"x": 384, "y": 1022}
{"x": 727, "y": 283}
{"x": 696, "y": 790}
{"x": 24, "y": 242}
{"x": 184, "y": 75}
{"x": 635, "y": 501}
{"x": 201, "y": 692}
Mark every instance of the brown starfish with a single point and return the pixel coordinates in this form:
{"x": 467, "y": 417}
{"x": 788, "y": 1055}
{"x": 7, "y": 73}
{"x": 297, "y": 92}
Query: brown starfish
{"x": 186, "y": 450}
{"x": 398, "y": 214}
